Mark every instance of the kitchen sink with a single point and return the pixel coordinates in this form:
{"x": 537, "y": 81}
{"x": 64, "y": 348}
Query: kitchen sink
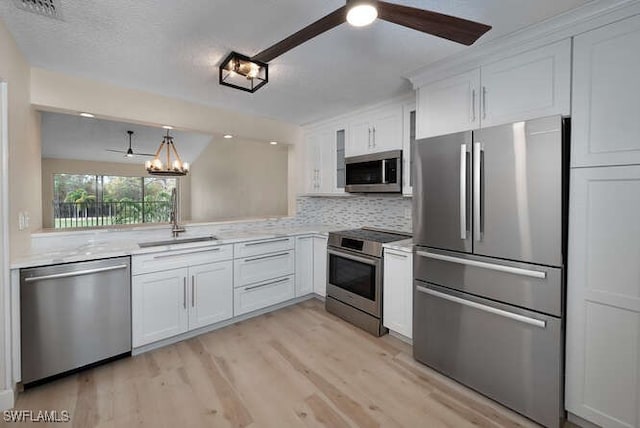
{"x": 174, "y": 241}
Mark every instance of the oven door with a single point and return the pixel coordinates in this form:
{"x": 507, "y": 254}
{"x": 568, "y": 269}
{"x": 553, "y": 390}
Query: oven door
{"x": 356, "y": 280}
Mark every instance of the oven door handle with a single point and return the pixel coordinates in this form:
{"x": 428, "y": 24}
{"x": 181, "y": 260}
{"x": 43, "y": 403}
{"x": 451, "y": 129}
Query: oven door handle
{"x": 363, "y": 259}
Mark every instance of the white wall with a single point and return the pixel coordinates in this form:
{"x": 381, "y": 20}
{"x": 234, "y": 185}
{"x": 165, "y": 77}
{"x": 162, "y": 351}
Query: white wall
{"x": 239, "y": 178}
{"x": 24, "y": 159}
{"x": 68, "y": 166}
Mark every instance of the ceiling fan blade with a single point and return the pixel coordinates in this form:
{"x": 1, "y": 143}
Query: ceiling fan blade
{"x": 322, "y": 25}
{"x": 448, "y": 27}
{"x": 116, "y": 151}
{"x": 143, "y": 154}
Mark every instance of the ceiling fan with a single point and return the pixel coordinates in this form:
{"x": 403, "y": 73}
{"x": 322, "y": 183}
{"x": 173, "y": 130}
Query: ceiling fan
{"x": 129, "y": 153}
{"x": 358, "y": 13}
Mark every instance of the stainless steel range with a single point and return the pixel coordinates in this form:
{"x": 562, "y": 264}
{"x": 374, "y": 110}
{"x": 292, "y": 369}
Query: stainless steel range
{"x": 354, "y": 280}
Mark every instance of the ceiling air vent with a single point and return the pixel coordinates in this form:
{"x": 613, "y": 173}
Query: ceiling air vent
{"x": 49, "y": 8}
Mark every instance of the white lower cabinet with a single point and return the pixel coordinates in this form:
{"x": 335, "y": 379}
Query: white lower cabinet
{"x": 174, "y": 301}
{"x": 159, "y": 306}
{"x": 304, "y": 265}
{"x": 257, "y": 296}
{"x": 397, "y": 301}
{"x": 320, "y": 265}
{"x": 211, "y": 294}
{"x": 603, "y": 296}
{"x": 263, "y": 267}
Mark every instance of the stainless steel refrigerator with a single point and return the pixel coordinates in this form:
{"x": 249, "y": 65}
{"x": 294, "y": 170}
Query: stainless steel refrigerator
{"x": 489, "y": 232}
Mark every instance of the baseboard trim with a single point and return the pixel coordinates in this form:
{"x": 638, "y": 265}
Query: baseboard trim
{"x": 401, "y": 337}
{"x": 583, "y": 423}
{"x": 209, "y": 328}
{"x": 7, "y": 399}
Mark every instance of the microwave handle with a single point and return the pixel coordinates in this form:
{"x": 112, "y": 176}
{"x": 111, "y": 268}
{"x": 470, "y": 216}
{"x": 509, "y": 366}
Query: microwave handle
{"x": 384, "y": 171}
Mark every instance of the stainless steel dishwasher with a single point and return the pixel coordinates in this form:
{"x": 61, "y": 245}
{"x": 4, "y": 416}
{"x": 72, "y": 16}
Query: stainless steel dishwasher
{"x": 74, "y": 315}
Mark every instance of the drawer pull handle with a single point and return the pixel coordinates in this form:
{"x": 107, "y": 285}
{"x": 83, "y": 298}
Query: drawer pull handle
{"x": 266, "y": 257}
{"x": 182, "y": 253}
{"x": 505, "y": 314}
{"x": 76, "y": 273}
{"x": 474, "y": 263}
{"x": 265, "y": 242}
{"x": 265, "y": 284}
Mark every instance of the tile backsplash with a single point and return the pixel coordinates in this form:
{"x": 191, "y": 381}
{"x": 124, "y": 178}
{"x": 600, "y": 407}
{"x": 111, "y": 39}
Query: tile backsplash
{"x": 382, "y": 211}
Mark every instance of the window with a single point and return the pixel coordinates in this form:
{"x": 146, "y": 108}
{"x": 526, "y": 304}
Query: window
{"x": 81, "y": 200}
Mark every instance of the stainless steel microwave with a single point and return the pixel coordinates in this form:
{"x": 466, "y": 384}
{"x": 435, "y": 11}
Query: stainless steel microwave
{"x": 374, "y": 173}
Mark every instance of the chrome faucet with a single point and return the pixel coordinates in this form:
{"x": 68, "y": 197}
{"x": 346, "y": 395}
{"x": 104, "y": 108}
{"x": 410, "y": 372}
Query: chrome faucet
{"x": 176, "y": 230}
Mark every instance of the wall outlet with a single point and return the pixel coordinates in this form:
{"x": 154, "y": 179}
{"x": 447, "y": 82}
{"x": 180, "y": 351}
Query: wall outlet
{"x": 23, "y": 220}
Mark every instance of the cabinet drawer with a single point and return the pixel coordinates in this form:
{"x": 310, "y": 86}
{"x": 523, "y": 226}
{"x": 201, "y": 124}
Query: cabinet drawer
{"x": 254, "y": 248}
{"x": 261, "y": 268}
{"x": 267, "y": 293}
{"x": 155, "y": 262}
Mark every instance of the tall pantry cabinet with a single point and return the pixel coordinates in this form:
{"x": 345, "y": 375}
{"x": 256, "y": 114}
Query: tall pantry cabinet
{"x": 603, "y": 279}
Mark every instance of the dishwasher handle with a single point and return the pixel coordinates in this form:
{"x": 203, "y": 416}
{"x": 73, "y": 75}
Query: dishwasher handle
{"x": 76, "y": 273}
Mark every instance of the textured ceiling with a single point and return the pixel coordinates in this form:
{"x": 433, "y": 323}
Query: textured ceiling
{"x": 173, "y": 48}
{"x": 74, "y": 137}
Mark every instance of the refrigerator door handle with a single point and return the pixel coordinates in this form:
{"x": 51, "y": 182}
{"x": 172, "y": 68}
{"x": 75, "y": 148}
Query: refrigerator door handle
{"x": 477, "y": 191}
{"x": 500, "y": 312}
{"x": 463, "y": 192}
{"x": 484, "y": 265}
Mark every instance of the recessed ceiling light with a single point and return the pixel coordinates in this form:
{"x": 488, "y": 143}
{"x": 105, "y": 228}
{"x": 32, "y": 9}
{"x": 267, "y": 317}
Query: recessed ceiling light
{"x": 227, "y": 136}
{"x": 84, "y": 114}
{"x": 273, "y": 143}
{"x": 167, "y": 126}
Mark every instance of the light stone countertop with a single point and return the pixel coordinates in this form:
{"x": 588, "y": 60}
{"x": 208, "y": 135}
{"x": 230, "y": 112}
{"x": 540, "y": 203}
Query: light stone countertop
{"x": 405, "y": 245}
{"x": 90, "y": 248}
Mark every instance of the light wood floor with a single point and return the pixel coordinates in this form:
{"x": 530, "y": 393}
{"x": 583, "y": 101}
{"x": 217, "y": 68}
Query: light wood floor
{"x": 296, "y": 367}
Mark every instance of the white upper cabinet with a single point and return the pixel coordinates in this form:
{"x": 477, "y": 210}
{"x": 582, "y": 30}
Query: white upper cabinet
{"x": 603, "y": 296}
{"x": 408, "y": 141}
{"x": 449, "y": 105}
{"x": 534, "y": 84}
{"x": 375, "y": 131}
{"x": 324, "y": 148}
{"x": 606, "y": 95}
{"x": 525, "y": 86}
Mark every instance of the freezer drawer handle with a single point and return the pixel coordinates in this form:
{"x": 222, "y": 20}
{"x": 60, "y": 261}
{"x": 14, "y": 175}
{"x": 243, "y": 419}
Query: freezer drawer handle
{"x": 76, "y": 273}
{"x": 506, "y": 314}
{"x": 483, "y": 265}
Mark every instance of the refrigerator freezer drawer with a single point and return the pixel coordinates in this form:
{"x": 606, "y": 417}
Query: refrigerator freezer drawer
{"x": 511, "y": 355}
{"x": 535, "y": 287}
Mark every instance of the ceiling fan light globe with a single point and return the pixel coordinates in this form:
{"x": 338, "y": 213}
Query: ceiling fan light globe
{"x": 361, "y": 15}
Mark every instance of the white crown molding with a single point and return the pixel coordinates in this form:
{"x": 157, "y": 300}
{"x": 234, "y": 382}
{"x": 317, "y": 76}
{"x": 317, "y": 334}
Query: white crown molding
{"x": 592, "y": 15}
{"x": 400, "y": 99}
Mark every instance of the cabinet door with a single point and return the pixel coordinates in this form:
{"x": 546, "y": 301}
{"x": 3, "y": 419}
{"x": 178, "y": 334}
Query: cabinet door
{"x": 312, "y": 163}
{"x": 258, "y": 296}
{"x": 211, "y": 294}
{"x": 359, "y": 138}
{"x": 397, "y": 302}
{"x": 320, "y": 265}
{"x": 603, "y": 296}
{"x": 449, "y": 105}
{"x": 159, "y": 306}
{"x": 606, "y": 105}
{"x": 263, "y": 267}
{"x": 534, "y": 84}
{"x": 387, "y": 129}
{"x": 408, "y": 142}
{"x": 327, "y": 156}
{"x": 304, "y": 265}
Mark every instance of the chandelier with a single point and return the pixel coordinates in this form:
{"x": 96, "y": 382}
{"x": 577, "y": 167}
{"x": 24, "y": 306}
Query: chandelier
{"x": 173, "y": 166}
